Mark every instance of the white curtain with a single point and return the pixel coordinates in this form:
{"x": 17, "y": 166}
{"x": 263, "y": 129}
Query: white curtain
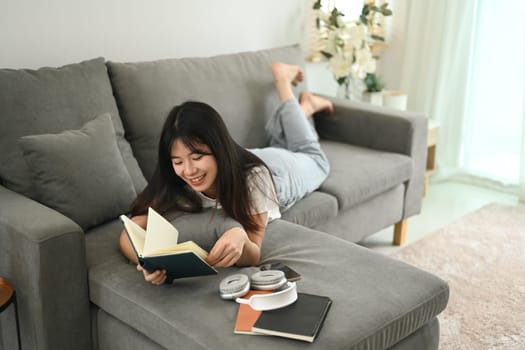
{"x": 492, "y": 140}
{"x": 522, "y": 171}
{"x": 462, "y": 65}
{"x": 522, "y": 153}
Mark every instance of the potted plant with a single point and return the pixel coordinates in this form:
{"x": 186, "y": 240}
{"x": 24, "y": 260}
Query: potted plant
{"x": 347, "y": 45}
{"x": 374, "y": 89}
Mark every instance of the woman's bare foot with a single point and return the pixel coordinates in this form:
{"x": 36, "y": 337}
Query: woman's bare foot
{"x": 291, "y": 74}
{"x": 311, "y": 104}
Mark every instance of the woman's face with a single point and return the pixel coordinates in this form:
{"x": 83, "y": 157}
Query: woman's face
{"x": 197, "y": 170}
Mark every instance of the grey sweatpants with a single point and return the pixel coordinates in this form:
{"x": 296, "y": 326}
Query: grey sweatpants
{"x": 294, "y": 155}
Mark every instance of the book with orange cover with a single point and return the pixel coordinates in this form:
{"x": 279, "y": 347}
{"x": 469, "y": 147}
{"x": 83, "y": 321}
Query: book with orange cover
{"x": 246, "y": 316}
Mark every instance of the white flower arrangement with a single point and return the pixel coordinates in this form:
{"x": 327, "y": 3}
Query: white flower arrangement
{"x": 346, "y": 45}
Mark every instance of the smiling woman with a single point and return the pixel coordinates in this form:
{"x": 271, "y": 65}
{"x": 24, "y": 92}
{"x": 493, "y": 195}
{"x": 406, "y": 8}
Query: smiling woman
{"x": 201, "y": 166}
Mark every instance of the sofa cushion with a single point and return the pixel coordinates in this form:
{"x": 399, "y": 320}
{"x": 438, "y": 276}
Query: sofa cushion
{"x": 358, "y": 174}
{"x": 377, "y": 301}
{"x": 313, "y": 210}
{"x": 80, "y": 173}
{"x": 234, "y": 84}
{"x": 51, "y": 100}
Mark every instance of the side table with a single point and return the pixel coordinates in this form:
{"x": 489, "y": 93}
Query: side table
{"x": 433, "y": 133}
{"x": 8, "y": 297}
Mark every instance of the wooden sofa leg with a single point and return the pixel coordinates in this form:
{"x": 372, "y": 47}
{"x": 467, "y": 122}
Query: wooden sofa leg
{"x": 400, "y": 232}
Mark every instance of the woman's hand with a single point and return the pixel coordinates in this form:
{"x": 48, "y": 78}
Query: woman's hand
{"x": 229, "y": 248}
{"x": 157, "y": 277}
{"x": 239, "y": 247}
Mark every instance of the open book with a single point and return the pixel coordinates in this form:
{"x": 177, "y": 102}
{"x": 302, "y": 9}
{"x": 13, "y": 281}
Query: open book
{"x": 157, "y": 248}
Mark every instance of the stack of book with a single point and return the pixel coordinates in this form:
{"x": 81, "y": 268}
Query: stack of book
{"x": 301, "y": 320}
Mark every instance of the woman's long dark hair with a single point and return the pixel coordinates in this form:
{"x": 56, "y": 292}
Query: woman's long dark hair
{"x": 196, "y": 123}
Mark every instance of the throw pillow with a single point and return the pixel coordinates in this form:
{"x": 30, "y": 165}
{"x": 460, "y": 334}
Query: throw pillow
{"x": 48, "y": 101}
{"x": 80, "y": 173}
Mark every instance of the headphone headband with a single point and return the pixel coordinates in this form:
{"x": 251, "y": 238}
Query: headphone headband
{"x": 262, "y": 302}
{"x": 238, "y": 285}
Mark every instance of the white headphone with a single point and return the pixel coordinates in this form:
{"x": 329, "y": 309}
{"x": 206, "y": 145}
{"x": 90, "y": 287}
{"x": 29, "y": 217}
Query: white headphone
{"x": 238, "y": 285}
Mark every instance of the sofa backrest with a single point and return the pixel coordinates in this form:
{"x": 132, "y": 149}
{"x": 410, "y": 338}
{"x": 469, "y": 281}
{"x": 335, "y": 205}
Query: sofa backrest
{"x": 62, "y": 142}
{"x": 239, "y": 86}
{"x": 51, "y": 100}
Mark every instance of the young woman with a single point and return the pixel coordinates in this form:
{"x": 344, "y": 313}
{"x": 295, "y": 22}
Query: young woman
{"x": 201, "y": 166}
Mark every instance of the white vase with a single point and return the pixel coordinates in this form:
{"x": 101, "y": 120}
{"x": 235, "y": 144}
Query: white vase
{"x": 375, "y": 98}
{"x": 342, "y": 91}
{"x": 395, "y": 99}
{"x": 351, "y": 89}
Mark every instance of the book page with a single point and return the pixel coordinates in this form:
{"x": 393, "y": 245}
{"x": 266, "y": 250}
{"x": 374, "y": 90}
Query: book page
{"x": 136, "y": 234}
{"x": 188, "y": 246}
{"x": 160, "y": 233}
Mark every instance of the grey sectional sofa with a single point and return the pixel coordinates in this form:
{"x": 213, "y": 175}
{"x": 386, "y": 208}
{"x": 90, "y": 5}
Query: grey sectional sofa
{"x": 78, "y": 142}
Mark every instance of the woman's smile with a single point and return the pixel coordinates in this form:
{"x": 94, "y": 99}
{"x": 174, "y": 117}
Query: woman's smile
{"x": 196, "y": 181}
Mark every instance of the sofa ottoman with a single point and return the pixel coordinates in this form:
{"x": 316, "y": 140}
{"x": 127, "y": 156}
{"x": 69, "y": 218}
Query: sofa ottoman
{"x": 377, "y": 302}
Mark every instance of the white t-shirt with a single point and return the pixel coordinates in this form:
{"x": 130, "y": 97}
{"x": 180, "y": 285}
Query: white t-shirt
{"x": 262, "y": 194}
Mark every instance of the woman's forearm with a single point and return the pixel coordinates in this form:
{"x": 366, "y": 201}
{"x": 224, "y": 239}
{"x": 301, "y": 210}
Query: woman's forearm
{"x": 251, "y": 255}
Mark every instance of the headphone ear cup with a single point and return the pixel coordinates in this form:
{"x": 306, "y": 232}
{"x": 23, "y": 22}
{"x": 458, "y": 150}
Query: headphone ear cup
{"x": 234, "y": 286}
{"x": 268, "y": 280}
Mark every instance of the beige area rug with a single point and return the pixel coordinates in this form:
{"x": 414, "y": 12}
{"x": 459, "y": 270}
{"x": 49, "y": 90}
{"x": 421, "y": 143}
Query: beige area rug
{"x": 482, "y": 257}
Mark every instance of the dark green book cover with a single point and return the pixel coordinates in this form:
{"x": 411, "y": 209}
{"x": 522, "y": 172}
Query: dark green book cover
{"x": 179, "y": 265}
{"x": 178, "y": 259}
{"x": 301, "y": 320}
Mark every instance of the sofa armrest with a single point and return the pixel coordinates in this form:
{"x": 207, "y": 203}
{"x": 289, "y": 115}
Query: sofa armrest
{"x": 382, "y": 129}
{"x": 42, "y": 253}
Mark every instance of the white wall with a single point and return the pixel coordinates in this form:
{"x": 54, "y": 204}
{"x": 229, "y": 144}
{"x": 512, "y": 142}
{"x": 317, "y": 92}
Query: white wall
{"x": 390, "y": 65}
{"x": 35, "y": 33}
